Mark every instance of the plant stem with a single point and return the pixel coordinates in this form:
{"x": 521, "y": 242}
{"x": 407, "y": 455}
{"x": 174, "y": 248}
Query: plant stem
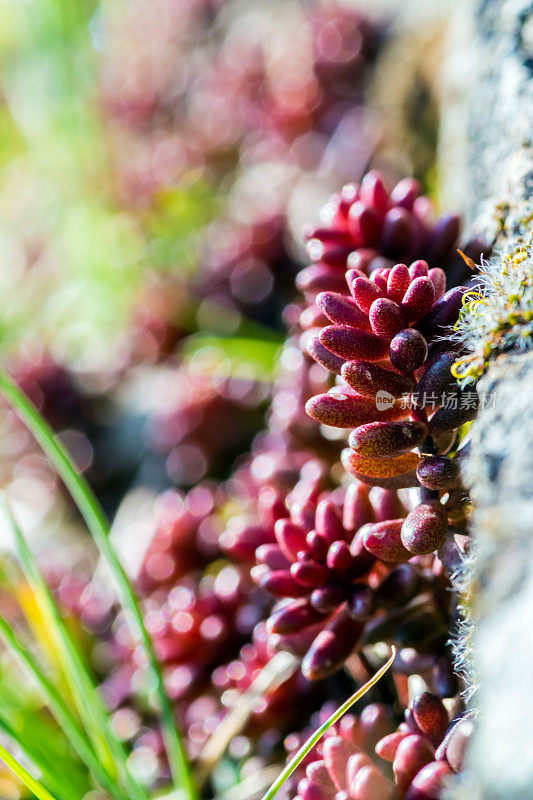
{"x": 317, "y": 735}
{"x": 94, "y": 516}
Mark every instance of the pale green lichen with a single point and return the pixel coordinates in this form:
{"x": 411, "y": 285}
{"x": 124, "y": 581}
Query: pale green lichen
{"x": 497, "y": 314}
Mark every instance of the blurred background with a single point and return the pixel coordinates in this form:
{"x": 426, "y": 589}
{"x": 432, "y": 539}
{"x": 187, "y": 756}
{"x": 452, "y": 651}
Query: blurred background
{"x": 157, "y": 163}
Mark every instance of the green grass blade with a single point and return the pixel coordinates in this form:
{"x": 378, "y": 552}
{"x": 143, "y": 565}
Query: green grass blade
{"x": 34, "y": 785}
{"x": 317, "y": 735}
{"x": 45, "y": 744}
{"x": 82, "y": 688}
{"x": 60, "y": 711}
{"x": 277, "y": 670}
{"x": 32, "y": 755}
{"x": 94, "y": 516}
{"x": 88, "y": 700}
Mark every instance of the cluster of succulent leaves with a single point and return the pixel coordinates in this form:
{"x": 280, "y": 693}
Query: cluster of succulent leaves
{"x": 349, "y": 567}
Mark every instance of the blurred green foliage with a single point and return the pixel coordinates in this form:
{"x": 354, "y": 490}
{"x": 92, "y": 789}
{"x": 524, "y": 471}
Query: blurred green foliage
{"x": 238, "y": 356}
{"x": 72, "y": 259}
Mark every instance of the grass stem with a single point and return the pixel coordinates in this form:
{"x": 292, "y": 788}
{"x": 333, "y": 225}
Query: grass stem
{"x": 317, "y": 735}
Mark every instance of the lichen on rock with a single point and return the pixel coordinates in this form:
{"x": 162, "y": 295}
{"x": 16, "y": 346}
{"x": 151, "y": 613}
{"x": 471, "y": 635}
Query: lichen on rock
{"x": 497, "y": 315}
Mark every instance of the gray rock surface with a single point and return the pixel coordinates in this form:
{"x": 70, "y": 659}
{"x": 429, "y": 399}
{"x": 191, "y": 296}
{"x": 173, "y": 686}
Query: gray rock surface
{"x": 500, "y": 472}
{"x": 487, "y": 164}
{"x": 486, "y": 155}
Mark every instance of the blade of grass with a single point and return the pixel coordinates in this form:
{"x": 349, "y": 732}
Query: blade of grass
{"x": 94, "y": 516}
{"x": 277, "y": 670}
{"x": 61, "y": 652}
{"x": 31, "y": 755}
{"x": 88, "y": 700}
{"x": 317, "y": 735}
{"x": 42, "y": 639}
{"x": 60, "y": 711}
{"x": 251, "y": 786}
{"x": 43, "y": 740}
{"x": 34, "y": 785}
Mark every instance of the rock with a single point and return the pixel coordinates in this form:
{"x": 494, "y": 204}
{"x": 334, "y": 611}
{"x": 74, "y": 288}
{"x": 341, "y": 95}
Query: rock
{"x": 487, "y": 163}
